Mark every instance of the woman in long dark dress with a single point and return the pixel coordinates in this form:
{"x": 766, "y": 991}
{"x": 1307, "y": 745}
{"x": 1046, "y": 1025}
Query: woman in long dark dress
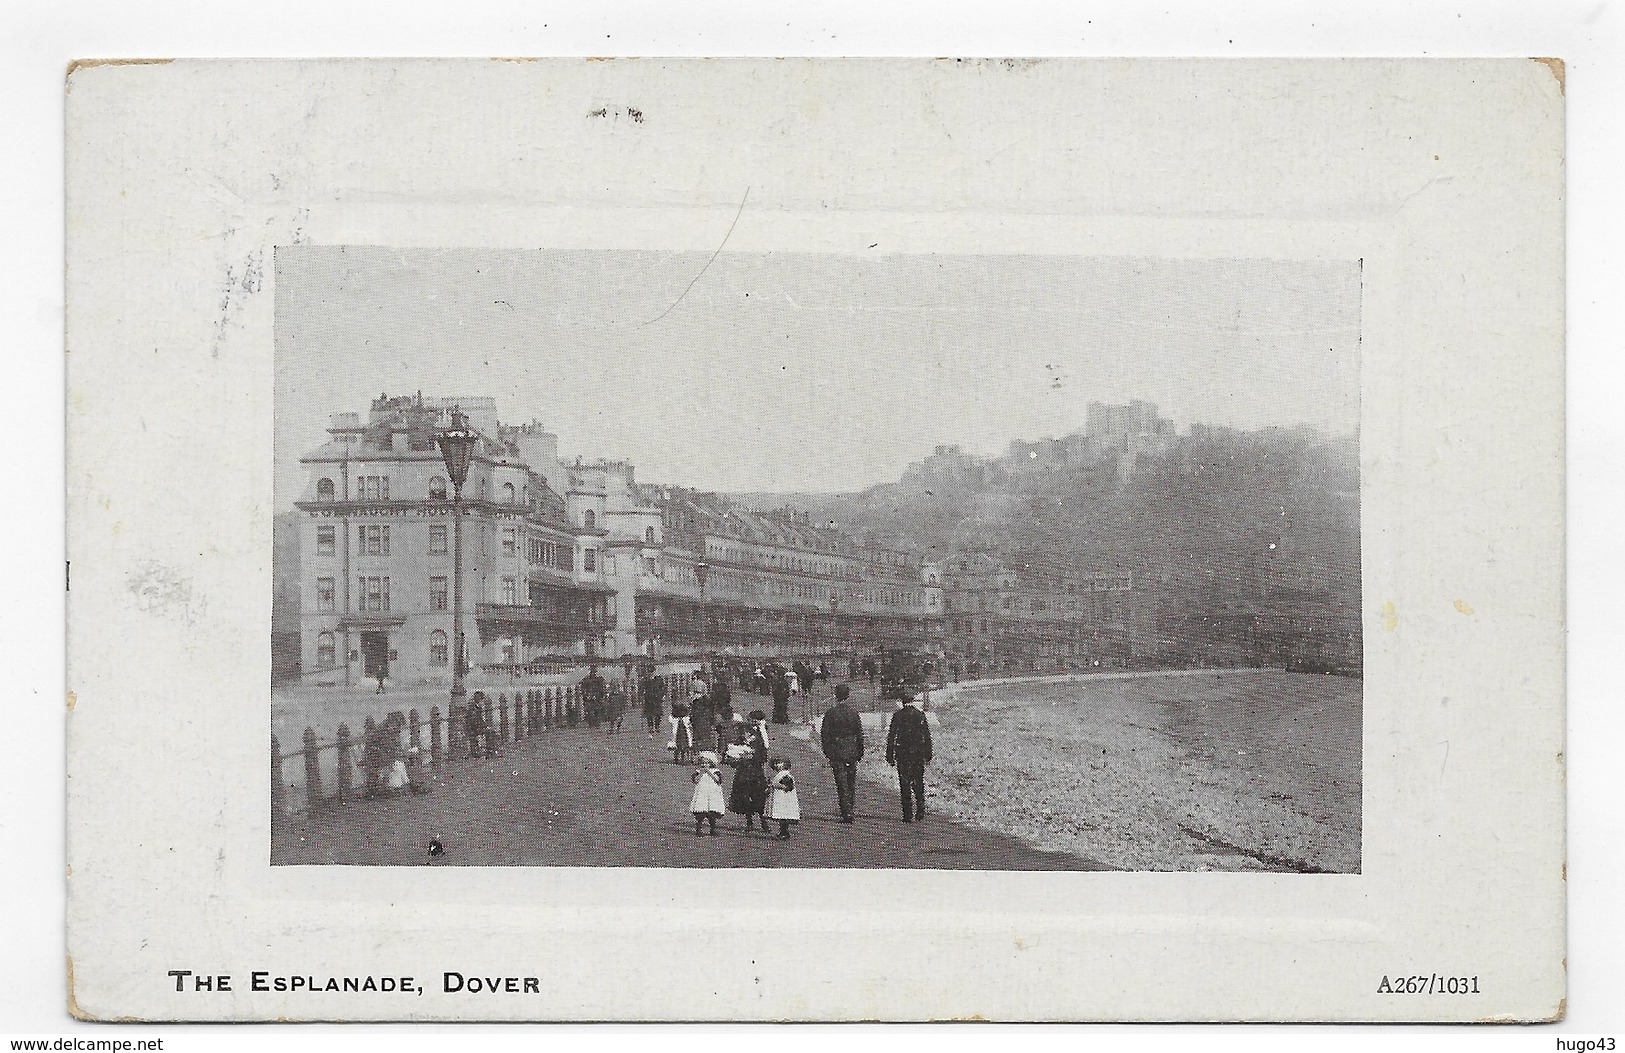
{"x": 781, "y": 699}
{"x": 682, "y": 733}
{"x": 748, "y": 795}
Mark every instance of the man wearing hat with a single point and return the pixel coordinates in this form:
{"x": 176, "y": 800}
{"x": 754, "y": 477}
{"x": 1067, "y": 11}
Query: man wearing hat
{"x": 841, "y": 736}
{"x": 908, "y": 749}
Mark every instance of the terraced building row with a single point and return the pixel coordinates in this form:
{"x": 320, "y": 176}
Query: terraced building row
{"x": 571, "y": 560}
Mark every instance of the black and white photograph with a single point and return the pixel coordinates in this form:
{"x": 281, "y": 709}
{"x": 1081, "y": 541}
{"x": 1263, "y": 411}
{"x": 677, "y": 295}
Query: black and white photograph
{"x": 787, "y": 560}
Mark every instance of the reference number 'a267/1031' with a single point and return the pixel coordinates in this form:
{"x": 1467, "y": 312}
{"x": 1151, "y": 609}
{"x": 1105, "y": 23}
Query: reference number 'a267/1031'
{"x": 1428, "y": 984}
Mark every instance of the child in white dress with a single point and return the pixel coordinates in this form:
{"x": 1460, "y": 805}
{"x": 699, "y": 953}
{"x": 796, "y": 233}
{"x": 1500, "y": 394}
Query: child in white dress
{"x": 707, "y": 804}
{"x": 782, "y": 802}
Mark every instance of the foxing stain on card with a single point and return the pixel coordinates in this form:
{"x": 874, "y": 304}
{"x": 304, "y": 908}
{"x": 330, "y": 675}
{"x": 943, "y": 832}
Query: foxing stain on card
{"x": 237, "y": 288}
{"x": 604, "y": 113}
{"x": 159, "y": 589}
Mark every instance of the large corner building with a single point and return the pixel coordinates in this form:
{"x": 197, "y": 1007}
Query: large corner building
{"x": 564, "y": 560}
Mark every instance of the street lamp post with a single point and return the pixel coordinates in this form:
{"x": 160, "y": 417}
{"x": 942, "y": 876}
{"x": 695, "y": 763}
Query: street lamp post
{"x": 456, "y": 447}
{"x": 702, "y": 571}
{"x": 832, "y": 643}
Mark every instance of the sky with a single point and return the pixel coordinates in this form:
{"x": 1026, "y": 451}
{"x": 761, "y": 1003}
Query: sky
{"x": 805, "y": 372}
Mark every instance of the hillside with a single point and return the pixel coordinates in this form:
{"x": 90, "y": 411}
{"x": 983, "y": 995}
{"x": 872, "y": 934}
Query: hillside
{"x": 1239, "y": 536}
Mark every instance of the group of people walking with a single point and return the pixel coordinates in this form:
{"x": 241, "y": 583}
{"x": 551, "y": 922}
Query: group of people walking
{"x": 755, "y": 794}
{"x": 908, "y": 749}
{"x": 706, "y": 717}
{"x": 604, "y": 702}
{"x": 764, "y": 787}
{"x": 705, "y": 725}
{"x": 389, "y": 768}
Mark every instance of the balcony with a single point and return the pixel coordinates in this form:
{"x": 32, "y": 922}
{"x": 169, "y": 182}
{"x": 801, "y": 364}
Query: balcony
{"x": 542, "y": 626}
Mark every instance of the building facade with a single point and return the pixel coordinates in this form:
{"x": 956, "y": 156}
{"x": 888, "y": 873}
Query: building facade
{"x": 376, "y": 552}
{"x": 1000, "y": 620}
{"x": 572, "y": 560}
{"x": 773, "y": 584}
{"x": 561, "y": 560}
{"x": 285, "y": 596}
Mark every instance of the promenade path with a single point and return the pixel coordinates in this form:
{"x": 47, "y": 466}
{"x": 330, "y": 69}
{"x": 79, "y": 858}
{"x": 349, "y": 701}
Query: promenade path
{"x": 582, "y": 797}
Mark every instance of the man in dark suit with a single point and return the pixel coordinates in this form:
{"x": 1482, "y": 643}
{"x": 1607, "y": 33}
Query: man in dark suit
{"x": 653, "y": 691}
{"x": 592, "y": 691}
{"x": 841, "y": 735}
{"x": 908, "y": 749}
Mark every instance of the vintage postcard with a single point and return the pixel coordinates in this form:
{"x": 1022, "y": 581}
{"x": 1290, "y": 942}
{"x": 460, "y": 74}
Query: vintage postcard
{"x": 816, "y": 540}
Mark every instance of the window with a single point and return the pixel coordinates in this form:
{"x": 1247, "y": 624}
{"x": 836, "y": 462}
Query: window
{"x": 649, "y": 566}
{"x": 589, "y": 560}
{"x": 649, "y": 535}
{"x": 324, "y": 489}
{"x": 510, "y": 591}
{"x": 507, "y": 493}
{"x": 437, "y": 489}
{"x": 510, "y": 539}
{"x": 324, "y": 594}
{"x": 372, "y": 594}
{"x": 324, "y": 650}
{"x": 437, "y": 594}
{"x": 609, "y": 563}
{"x": 326, "y": 537}
{"x": 437, "y": 647}
{"x": 374, "y": 540}
{"x": 590, "y": 519}
{"x": 437, "y": 540}
{"x": 373, "y": 487}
